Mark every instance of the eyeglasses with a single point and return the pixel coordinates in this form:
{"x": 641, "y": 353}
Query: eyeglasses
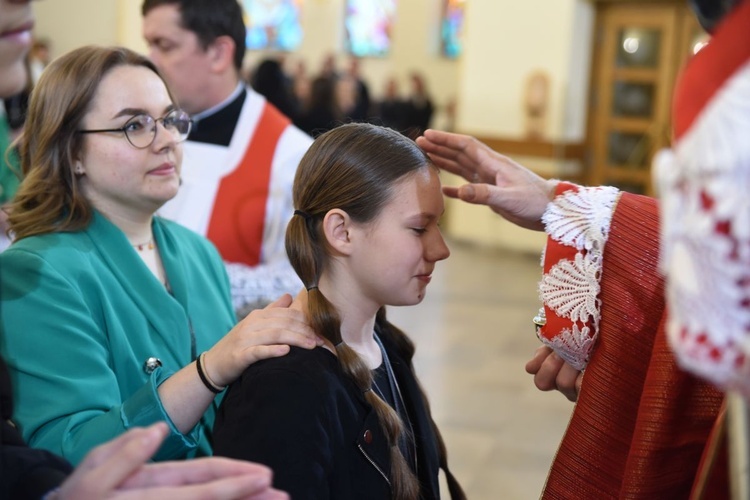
{"x": 140, "y": 130}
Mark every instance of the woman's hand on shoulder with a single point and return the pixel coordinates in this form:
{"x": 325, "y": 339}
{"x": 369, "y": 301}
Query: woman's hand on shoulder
{"x": 264, "y": 333}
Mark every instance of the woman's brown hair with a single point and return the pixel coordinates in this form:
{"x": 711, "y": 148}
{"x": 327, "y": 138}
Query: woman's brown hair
{"x": 49, "y": 198}
{"x": 353, "y": 168}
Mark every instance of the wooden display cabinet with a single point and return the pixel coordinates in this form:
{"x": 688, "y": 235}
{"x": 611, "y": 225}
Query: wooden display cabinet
{"x": 639, "y": 50}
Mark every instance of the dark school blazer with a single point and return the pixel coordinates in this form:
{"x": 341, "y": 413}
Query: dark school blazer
{"x": 303, "y": 417}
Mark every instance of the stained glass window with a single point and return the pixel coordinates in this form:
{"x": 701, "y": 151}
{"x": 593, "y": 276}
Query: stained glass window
{"x": 369, "y": 24}
{"x": 273, "y": 24}
{"x": 452, "y": 27}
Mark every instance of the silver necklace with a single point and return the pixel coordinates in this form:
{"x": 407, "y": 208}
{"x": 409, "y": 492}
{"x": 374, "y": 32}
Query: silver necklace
{"x": 398, "y": 401}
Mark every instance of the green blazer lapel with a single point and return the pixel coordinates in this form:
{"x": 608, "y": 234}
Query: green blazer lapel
{"x": 170, "y": 251}
{"x": 166, "y": 315}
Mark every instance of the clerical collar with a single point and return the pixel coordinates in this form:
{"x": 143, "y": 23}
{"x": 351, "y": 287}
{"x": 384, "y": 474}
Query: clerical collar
{"x": 213, "y": 109}
{"x": 216, "y": 125}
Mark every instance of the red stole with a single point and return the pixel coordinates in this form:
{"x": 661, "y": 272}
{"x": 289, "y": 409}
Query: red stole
{"x": 239, "y": 211}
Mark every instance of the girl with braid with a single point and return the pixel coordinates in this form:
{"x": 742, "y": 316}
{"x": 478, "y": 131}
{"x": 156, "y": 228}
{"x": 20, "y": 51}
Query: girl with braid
{"x": 349, "y": 419}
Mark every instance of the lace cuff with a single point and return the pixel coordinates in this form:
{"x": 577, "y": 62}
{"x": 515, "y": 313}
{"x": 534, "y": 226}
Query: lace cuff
{"x": 577, "y": 222}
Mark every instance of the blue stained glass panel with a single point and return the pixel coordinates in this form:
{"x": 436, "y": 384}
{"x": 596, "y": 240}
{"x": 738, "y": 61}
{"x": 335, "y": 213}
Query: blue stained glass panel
{"x": 273, "y": 24}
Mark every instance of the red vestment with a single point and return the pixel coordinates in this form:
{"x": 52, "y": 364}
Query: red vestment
{"x": 641, "y": 424}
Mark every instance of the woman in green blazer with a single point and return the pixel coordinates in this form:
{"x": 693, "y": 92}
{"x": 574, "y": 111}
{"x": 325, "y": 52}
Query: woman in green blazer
{"x": 112, "y": 317}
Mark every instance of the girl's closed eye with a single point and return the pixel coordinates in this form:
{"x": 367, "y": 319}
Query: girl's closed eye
{"x": 419, "y": 230}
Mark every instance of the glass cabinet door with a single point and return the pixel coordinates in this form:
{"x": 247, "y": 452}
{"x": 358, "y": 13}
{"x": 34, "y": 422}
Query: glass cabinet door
{"x": 640, "y": 47}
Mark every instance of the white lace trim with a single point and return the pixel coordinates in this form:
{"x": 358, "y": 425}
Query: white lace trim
{"x": 705, "y": 255}
{"x": 571, "y": 288}
{"x": 574, "y": 346}
{"x": 581, "y": 219}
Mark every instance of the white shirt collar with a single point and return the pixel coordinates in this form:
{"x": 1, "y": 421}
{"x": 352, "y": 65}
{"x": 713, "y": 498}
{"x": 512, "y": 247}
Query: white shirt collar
{"x": 199, "y": 116}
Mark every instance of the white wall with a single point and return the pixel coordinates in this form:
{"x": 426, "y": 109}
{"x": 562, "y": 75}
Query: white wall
{"x": 128, "y": 31}
{"x": 71, "y": 23}
{"x": 505, "y": 42}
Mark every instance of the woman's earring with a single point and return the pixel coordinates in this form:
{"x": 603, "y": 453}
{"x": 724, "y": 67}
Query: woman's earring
{"x": 78, "y": 170}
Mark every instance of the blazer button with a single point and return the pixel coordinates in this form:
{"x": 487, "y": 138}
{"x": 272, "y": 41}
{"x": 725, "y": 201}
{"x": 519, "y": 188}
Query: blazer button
{"x": 151, "y": 364}
{"x": 367, "y": 437}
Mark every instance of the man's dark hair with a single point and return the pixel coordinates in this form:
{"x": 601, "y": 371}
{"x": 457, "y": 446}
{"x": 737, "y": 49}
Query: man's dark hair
{"x": 711, "y": 12}
{"x": 209, "y": 19}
